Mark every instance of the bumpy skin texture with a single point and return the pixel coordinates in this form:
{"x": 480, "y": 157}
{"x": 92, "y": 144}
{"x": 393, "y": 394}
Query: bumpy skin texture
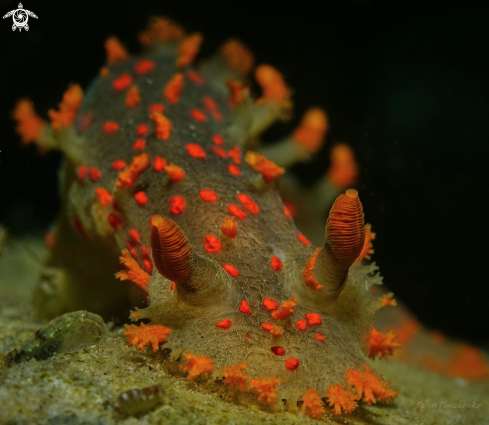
{"x": 83, "y": 261}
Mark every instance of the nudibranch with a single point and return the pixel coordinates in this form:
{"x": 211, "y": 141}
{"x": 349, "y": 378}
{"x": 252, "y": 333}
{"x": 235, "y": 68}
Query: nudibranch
{"x": 163, "y": 168}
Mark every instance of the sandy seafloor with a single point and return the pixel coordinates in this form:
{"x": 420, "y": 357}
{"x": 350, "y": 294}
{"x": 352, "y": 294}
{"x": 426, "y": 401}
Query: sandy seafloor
{"x": 81, "y": 387}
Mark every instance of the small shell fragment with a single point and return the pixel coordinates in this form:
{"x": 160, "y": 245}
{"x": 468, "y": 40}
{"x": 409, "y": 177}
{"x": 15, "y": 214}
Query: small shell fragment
{"x": 66, "y": 333}
{"x": 139, "y": 401}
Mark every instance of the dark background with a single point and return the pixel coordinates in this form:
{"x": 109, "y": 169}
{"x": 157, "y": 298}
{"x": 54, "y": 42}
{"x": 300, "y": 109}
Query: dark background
{"x": 405, "y": 84}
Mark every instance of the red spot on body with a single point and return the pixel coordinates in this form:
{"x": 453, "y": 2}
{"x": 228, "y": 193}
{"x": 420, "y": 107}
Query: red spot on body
{"x": 313, "y": 319}
{"x": 139, "y": 144}
{"x": 235, "y": 153}
{"x": 276, "y": 263}
{"x": 219, "y": 151}
{"x": 163, "y": 126}
{"x": 148, "y": 265}
{"x": 134, "y": 235}
{"x": 144, "y": 251}
{"x": 292, "y": 364}
{"x": 212, "y": 244}
{"x": 230, "y": 269}
{"x": 211, "y": 106}
{"x": 172, "y": 286}
{"x": 159, "y": 163}
{"x": 50, "y": 240}
{"x": 288, "y": 214}
{"x": 144, "y": 66}
{"x": 218, "y": 139}
{"x": 244, "y": 307}
{"x": 279, "y": 351}
{"x": 157, "y": 107}
{"x": 301, "y": 324}
{"x": 82, "y": 172}
{"x": 95, "y": 174}
{"x": 237, "y": 212}
{"x": 267, "y": 326}
{"x": 195, "y": 150}
{"x": 224, "y": 324}
{"x": 175, "y": 172}
{"x": 114, "y": 221}
{"x": 103, "y": 196}
{"x": 122, "y": 82}
{"x": 177, "y": 205}
{"x": 198, "y": 115}
{"x": 270, "y": 304}
{"x": 141, "y": 198}
{"x": 248, "y": 203}
{"x": 78, "y": 226}
{"x": 132, "y": 250}
{"x": 110, "y": 127}
{"x": 142, "y": 129}
{"x": 303, "y": 239}
{"x": 320, "y": 337}
{"x": 208, "y": 195}
{"x": 234, "y": 170}
{"x": 195, "y": 77}
{"x": 119, "y": 164}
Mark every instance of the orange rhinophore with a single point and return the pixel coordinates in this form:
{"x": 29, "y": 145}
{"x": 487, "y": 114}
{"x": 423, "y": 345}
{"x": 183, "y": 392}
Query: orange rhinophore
{"x": 268, "y": 169}
{"x": 229, "y": 227}
{"x": 133, "y": 97}
{"x": 172, "y": 253}
{"x": 371, "y": 388}
{"x": 139, "y": 164}
{"x": 341, "y": 400}
{"x": 163, "y": 126}
{"x": 114, "y": 50}
{"x": 145, "y": 335}
{"x": 29, "y": 125}
{"x": 196, "y": 365}
{"x": 133, "y": 272}
{"x": 343, "y": 170}
{"x": 238, "y": 56}
{"x": 313, "y": 405}
{"x": 161, "y": 29}
{"x": 308, "y": 272}
{"x": 188, "y": 49}
{"x": 312, "y": 129}
{"x": 267, "y": 389}
{"x": 173, "y": 89}
{"x": 72, "y": 99}
{"x": 286, "y": 309}
{"x": 273, "y": 86}
{"x": 235, "y": 376}
{"x": 367, "y": 249}
{"x": 381, "y": 344}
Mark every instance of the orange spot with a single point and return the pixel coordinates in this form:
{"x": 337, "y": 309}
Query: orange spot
{"x": 82, "y": 172}
{"x": 248, "y": 203}
{"x": 141, "y": 198}
{"x": 388, "y": 300}
{"x": 114, "y": 50}
{"x": 381, "y": 344}
{"x": 276, "y": 331}
{"x": 235, "y": 153}
{"x": 313, "y": 319}
{"x": 272, "y": 85}
{"x": 198, "y": 115}
{"x": 95, "y": 174}
{"x": 341, "y": 400}
{"x": 134, "y": 235}
{"x": 343, "y": 170}
{"x": 172, "y": 253}
{"x": 157, "y": 107}
{"x": 114, "y": 221}
{"x": 372, "y": 387}
{"x": 312, "y": 129}
{"x": 110, "y": 127}
{"x": 345, "y": 229}
{"x": 195, "y": 77}
{"x": 142, "y": 130}
{"x": 175, "y": 172}
{"x": 145, "y": 335}
{"x": 144, "y": 66}
{"x": 122, "y": 82}
{"x": 233, "y": 169}
{"x": 276, "y": 263}
{"x": 103, "y": 196}
{"x": 195, "y": 150}
{"x": 268, "y": 169}
{"x": 208, "y": 195}
{"x": 292, "y": 364}
{"x": 308, "y": 272}
{"x": 238, "y": 56}
{"x": 286, "y": 309}
{"x": 237, "y": 92}
{"x": 127, "y": 178}
{"x": 303, "y": 239}
{"x": 118, "y": 164}
{"x": 160, "y": 29}
{"x": 173, "y": 89}
{"x": 229, "y": 227}
{"x": 50, "y": 240}
{"x": 159, "y": 163}
{"x": 188, "y": 49}
{"x": 244, "y": 307}
{"x": 313, "y": 406}
{"x": 133, "y": 272}
{"x": 196, "y": 365}
{"x": 139, "y": 144}
{"x": 234, "y": 375}
{"x": 29, "y": 125}
{"x": 230, "y": 269}
{"x": 72, "y": 99}
{"x": 237, "y": 212}
{"x": 163, "y": 126}
{"x": 301, "y": 324}
{"x": 218, "y": 139}
{"x": 320, "y": 337}
{"x": 270, "y": 304}
{"x": 212, "y": 244}
{"x": 177, "y": 205}
{"x": 267, "y": 389}
{"x": 367, "y": 249}
{"x": 219, "y": 151}
{"x": 133, "y": 97}
{"x": 224, "y": 324}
